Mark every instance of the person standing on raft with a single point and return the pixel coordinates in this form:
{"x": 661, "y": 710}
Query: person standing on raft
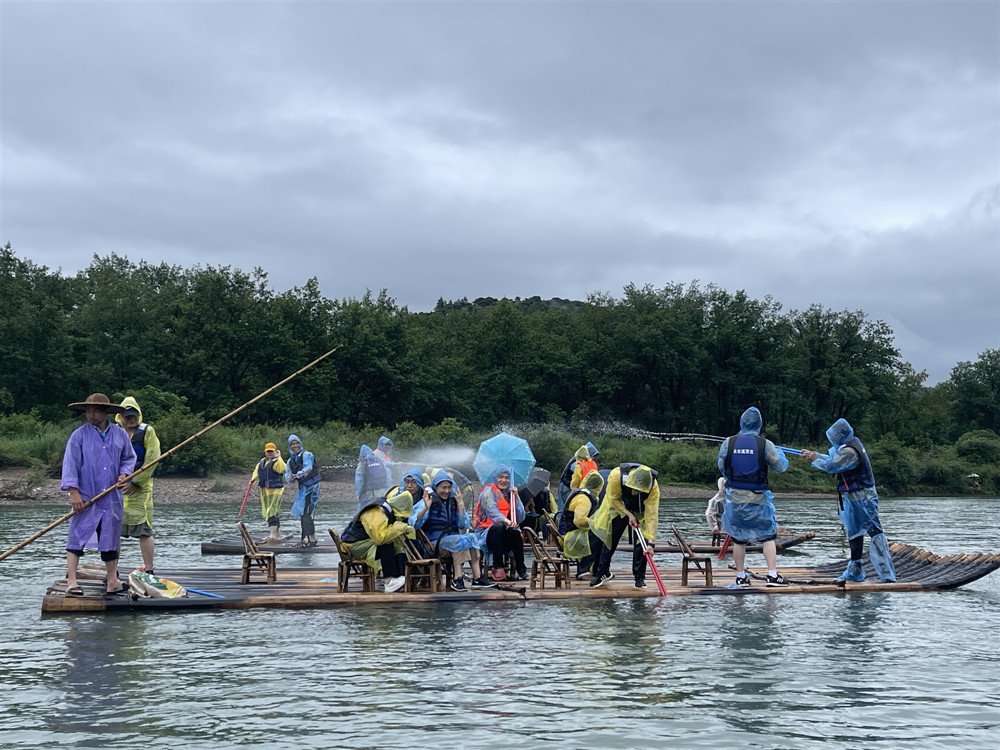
{"x": 302, "y": 466}
{"x": 858, "y": 501}
{"x": 269, "y": 473}
{"x": 631, "y": 498}
{"x": 744, "y": 460}
{"x": 138, "y": 510}
{"x": 98, "y": 456}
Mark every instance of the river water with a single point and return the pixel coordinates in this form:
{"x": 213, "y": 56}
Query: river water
{"x": 877, "y": 670}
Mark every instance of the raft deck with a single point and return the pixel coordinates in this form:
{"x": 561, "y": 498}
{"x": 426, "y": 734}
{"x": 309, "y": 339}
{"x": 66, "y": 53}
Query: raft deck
{"x": 233, "y": 545}
{"x": 311, "y": 588}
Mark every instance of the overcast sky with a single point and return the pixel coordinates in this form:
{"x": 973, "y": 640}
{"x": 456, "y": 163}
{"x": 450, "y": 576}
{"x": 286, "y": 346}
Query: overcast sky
{"x": 839, "y": 153}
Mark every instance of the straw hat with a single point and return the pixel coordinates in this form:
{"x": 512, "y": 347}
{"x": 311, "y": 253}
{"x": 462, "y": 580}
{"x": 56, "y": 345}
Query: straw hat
{"x": 97, "y": 399}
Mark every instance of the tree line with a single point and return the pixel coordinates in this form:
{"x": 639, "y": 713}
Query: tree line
{"x": 682, "y": 358}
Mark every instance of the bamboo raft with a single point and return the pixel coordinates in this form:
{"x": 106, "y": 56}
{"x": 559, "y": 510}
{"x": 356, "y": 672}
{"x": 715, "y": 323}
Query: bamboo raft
{"x": 233, "y": 545}
{"x": 311, "y": 588}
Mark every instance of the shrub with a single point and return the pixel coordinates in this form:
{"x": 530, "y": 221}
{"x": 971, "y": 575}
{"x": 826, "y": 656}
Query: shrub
{"x": 979, "y": 446}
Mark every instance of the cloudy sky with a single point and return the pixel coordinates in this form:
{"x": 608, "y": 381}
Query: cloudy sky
{"x": 839, "y": 153}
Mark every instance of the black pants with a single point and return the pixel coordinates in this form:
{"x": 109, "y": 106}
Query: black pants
{"x": 858, "y": 545}
{"x": 308, "y": 527}
{"x": 503, "y": 540}
{"x": 618, "y": 526}
{"x": 273, "y": 521}
{"x": 392, "y": 564}
{"x": 586, "y": 564}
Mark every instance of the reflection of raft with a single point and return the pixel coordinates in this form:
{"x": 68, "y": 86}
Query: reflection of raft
{"x": 309, "y": 588}
{"x": 233, "y": 545}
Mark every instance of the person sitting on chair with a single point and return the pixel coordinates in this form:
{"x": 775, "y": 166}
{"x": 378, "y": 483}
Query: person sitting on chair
{"x": 374, "y": 535}
{"x": 499, "y": 513}
{"x": 574, "y": 524}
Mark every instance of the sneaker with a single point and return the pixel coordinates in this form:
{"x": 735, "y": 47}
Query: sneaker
{"x": 458, "y": 584}
{"x": 595, "y": 581}
{"x": 482, "y": 583}
{"x": 522, "y": 575}
{"x": 640, "y": 583}
{"x": 776, "y": 580}
{"x": 582, "y": 574}
{"x": 394, "y": 584}
{"x": 742, "y": 580}
{"x": 498, "y": 574}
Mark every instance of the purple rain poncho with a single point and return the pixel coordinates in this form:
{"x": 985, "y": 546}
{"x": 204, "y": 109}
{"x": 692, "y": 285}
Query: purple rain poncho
{"x": 91, "y": 465}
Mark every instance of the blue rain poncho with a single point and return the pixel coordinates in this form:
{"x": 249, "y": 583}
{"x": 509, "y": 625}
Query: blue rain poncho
{"x": 444, "y": 525}
{"x": 749, "y": 514}
{"x": 860, "y": 513}
{"x": 384, "y": 449}
{"x": 302, "y": 466}
{"x": 372, "y": 478}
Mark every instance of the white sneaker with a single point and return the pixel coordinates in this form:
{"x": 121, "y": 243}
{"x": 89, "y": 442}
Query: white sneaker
{"x": 394, "y": 584}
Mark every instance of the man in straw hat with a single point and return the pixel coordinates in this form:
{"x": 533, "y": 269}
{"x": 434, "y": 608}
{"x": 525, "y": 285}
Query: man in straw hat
{"x": 99, "y": 455}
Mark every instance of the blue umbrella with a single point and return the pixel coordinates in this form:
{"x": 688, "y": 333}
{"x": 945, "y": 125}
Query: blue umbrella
{"x": 504, "y": 449}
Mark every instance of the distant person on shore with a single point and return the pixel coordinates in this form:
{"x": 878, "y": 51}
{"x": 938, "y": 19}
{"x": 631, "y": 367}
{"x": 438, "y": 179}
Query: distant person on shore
{"x": 98, "y": 456}
{"x": 631, "y": 498}
{"x": 744, "y": 461}
{"x": 269, "y": 474}
{"x": 372, "y": 478}
{"x": 138, "y": 519}
{"x": 566, "y": 478}
{"x": 302, "y": 467}
{"x": 716, "y": 507}
{"x": 499, "y": 514}
{"x": 858, "y": 501}
{"x": 373, "y": 535}
{"x": 579, "y": 541}
{"x": 442, "y": 515}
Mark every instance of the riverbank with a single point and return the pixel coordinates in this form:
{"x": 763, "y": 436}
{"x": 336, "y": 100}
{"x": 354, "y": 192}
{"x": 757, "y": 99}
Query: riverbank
{"x": 17, "y": 489}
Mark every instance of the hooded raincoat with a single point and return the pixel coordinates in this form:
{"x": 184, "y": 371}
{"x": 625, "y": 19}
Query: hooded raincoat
{"x": 488, "y": 506}
{"x": 372, "y": 477}
{"x": 302, "y": 467}
{"x": 860, "y": 512}
{"x": 139, "y": 505}
{"x": 444, "y": 525}
{"x": 379, "y": 529}
{"x": 580, "y": 506}
{"x": 749, "y": 514}
{"x": 613, "y": 507}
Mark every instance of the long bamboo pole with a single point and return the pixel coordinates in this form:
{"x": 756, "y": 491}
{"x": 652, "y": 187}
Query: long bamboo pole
{"x": 151, "y": 464}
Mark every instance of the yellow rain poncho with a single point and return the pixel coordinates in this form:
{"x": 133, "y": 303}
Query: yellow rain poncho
{"x": 270, "y": 497}
{"x": 639, "y": 479}
{"x": 584, "y": 466}
{"x": 376, "y": 525}
{"x": 139, "y": 505}
{"x": 576, "y": 542}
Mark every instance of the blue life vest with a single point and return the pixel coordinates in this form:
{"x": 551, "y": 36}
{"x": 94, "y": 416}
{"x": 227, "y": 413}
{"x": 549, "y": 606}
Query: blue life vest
{"x": 374, "y": 474}
{"x": 139, "y": 445}
{"x": 267, "y": 476}
{"x": 745, "y": 464}
{"x": 295, "y": 463}
{"x": 442, "y": 518}
{"x": 566, "y": 524}
{"x": 860, "y": 476}
{"x": 355, "y": 530}
{"x": 635, "y": 501}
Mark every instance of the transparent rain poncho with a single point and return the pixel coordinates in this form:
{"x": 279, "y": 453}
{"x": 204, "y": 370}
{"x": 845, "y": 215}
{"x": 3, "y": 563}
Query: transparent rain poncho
{"x": 576, "y": 542}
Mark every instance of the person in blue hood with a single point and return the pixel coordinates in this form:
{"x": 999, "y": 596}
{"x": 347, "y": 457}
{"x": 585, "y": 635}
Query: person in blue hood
{"x": 372, "y": 478}
{"x": 302, "y": 467}
{"x": 744, "y": 461}
{"x": 858, "y": 501}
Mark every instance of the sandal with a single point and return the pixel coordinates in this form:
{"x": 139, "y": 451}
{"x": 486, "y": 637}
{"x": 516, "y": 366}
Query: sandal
{"x": 74, "y": 591}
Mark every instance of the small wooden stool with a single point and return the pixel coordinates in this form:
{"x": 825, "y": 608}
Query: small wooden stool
{"x": 702, "y": 563}
{"x": 253, "y": 556}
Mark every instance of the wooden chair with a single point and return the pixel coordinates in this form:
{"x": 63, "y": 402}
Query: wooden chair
{"x": 702, "y": 563}
{"x": 555, "y": 540}
{"x": 348, "y": 566}
{"x": 253, "y": 556}
{"x": 421, "y": 572}
{"x": 447, "y": 567}
{"x": 546, "y": 564}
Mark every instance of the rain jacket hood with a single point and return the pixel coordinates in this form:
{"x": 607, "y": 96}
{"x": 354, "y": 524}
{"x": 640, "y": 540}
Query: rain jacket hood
{"x": 501, "y": 469}
{"x": 751, "y": 422}
{"x": 840, "y": 433}
{"x": 594, "y": 453}
{"x": 296, "y": 439}
{"x": 442, "y": 476}
{"x": 363, "y": 453}
{"x": 127, "y": 402}
{"x": 593, "y": 482}
{"x": 639, "y": 479}
{"x": 418, "y": 477}
{"x": 582, "y": 453}
{"x": 401, "y": 504}
{"x": 385, "y": 445}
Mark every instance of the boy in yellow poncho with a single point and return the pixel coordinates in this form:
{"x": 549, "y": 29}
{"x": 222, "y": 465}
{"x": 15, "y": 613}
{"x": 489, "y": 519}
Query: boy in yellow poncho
{"x": 374, "y": 536}
{"x": 579, "y": 541}
{"x": 138, "y": 493}
{"x": 269, "y": 473}
{"x": 632, "y": 498}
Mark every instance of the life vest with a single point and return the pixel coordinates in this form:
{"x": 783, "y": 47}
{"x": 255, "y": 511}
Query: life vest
{"x": 635, "y": 501}
{"x": 566, "y": 520}
{"x": 355, "y": 530}
{"x": 267, "y": 476}
{"x": 745, "y": 464}
{"x": 139, "y": 445}
{"x": 567, "y": 475}
{"x": 860, "y": 476}
{"x": 483, "y": 521}
{"x": 585, "y": 468}
{"x": 442, "y": 518}
{"x": 295, "y": 466}
{"x": 374, "y": 473}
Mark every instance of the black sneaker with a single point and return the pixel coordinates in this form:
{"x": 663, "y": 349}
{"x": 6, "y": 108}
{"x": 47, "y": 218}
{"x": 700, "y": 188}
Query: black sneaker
{"x": 482, "y": 583}
{"x": 522, "y": 575}
{"x": 640, "y": 583}
{"x": 582, "y": 574}
{"x": 744, "y": 581}
{"x": 458, "y": 584}
{"x": 776, "y": 580}
{"x": 595, "y": 581}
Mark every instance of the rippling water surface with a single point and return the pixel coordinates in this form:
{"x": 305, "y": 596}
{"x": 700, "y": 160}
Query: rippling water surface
{"x": 861, "y": 670}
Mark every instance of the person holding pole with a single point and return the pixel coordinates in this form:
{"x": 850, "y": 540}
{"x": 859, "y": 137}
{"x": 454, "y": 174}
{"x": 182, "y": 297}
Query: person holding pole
{"x": 269, "y": 473}
{"x": 858, "y": 501}
{"x": 302, "y": 466}
{"x": 138, "y": 520}
{"x": 99, "y": 456}
{"x": 744, "y": 461}
{"x": 631, "y": 498}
